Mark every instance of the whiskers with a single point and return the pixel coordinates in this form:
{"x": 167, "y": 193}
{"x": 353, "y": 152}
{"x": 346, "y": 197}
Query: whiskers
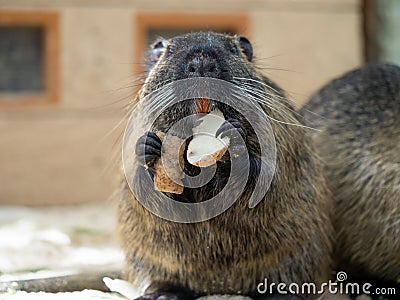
{"x": 121, "y": 108}
{"x": 264, "y": 94}
{"x": 130, "y": 104}
{"x": 255, "y": 90}
{"x": 154, "y": 97}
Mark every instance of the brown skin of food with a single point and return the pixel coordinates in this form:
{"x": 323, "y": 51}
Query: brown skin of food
{"x": 163, "y": 182}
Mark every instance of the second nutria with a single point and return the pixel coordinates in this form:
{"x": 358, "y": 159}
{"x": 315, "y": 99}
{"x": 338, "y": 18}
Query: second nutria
{"x": 286, "y": 238}
{"x": 359, "y": 142}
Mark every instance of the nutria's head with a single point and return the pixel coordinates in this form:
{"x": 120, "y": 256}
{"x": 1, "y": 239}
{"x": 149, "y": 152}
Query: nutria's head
{"x": 202, "y": 54}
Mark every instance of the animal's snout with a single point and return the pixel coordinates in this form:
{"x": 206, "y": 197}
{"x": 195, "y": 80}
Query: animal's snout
{"x": 201, "y": 65}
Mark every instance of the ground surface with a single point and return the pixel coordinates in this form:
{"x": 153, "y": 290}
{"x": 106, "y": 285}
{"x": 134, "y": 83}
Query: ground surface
{"x": 42, "y": 242}
{"x": 48, "y": 241}
{"x": 57, "y": 240}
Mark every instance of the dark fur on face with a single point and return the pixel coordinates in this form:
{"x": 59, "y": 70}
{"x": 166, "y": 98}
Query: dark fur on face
{"x": 197, "y": 55}
{"x": 220, "y": 54}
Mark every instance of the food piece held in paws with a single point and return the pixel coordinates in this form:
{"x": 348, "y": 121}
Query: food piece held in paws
{"x": 169, "y": 174}
{"x": 205, "y": 149}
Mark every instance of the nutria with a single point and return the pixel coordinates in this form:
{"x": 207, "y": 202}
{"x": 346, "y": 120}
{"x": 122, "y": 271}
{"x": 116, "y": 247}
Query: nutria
{"x": 359, "y": 142}
{"x": 286, "y": 238}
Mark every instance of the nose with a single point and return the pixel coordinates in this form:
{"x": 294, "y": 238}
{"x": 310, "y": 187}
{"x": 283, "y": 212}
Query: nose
{"x": 201, "y": 65}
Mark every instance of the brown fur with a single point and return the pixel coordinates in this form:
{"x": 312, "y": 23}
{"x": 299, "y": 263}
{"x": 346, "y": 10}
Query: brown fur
{"x": 359, "y": 141}
{"x": 286, "y": 238}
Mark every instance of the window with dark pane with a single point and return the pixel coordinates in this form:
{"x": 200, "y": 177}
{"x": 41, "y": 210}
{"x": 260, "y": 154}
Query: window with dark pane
{"x": 21, "y": 59}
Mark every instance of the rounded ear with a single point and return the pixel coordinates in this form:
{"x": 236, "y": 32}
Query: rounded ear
{"x": 156, "y": 50}
{"x": 246, "y": 47}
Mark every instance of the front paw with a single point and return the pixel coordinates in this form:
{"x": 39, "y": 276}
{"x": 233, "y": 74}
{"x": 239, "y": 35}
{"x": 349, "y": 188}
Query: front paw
{"x": 234, "y": 130}
{"x": 148, "y": 149}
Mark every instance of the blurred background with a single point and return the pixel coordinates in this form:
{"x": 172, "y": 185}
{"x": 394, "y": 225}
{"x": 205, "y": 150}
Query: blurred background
{"x": 67, "y": 68}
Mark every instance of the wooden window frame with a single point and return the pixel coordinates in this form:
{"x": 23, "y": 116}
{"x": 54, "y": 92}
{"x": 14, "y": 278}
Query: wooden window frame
{"x": 49, "y": 21}
{"x": 186, "y": 21}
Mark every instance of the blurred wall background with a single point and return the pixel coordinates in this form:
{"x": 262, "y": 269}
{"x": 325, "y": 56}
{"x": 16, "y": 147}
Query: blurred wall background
{"x": 66, "y": 73}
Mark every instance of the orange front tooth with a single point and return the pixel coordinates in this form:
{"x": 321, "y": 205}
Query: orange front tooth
{"x": 203, "y": 105}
